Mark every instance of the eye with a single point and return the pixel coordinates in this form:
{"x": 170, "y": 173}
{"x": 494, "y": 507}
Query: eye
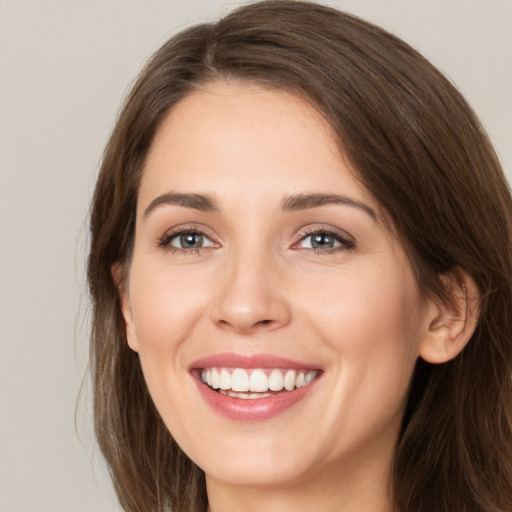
{"x": 320, "y": 241}
{"x": 191, "y": 240}
{"x": 324, "y": 240}
{"x": 186, "y": 240}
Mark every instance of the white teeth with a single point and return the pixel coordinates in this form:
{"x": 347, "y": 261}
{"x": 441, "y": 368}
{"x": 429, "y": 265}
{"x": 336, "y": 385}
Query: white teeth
{"x": 245, "y": 396}
{"x": 310, "y": 376}
{"x": 258, "y": 381}
{"x": 238, "y": 382}
{"x": 289, "y": 380}
{"x": 215, "y": 379}
{"x": 275, "y": 380}
{"x": 225, "y": 379}
{"x": 300, "y": 381}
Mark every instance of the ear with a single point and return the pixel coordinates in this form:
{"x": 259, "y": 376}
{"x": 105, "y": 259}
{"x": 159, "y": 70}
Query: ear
{"x": 451, "y": 324}
{"x": 119, "y": 275}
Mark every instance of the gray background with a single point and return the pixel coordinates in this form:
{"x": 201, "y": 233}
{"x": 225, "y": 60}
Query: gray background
{"x": 64, "y": 67}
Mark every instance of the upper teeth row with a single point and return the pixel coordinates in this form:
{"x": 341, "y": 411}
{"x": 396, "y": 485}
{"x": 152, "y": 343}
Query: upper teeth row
{"x": 240, "y": 379}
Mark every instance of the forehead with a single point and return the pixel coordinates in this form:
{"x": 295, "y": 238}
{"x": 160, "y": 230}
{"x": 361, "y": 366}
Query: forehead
{"x": 241, "y": 137}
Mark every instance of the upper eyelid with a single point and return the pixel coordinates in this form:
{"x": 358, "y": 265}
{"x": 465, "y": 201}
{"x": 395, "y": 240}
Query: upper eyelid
{"x": 189, "y": 228}
{"x": 320, "y": 228}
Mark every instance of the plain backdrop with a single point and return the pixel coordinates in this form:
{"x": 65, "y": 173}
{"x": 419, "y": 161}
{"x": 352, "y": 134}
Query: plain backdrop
{"x": 64, "y": 68}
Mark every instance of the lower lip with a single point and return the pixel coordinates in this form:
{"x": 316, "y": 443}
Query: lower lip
{"x": 256, "y": 409}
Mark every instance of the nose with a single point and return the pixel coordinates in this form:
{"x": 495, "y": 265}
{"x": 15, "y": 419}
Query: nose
{"x": 252, "y": 297}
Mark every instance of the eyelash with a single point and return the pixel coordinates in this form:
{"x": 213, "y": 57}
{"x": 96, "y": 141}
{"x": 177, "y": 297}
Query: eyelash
{"x": 166, "y": 240}
{"x": 345, "y": 242}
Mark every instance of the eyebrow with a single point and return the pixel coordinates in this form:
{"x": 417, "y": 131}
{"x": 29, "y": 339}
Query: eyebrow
{"x": 201, "y": 202}
{"x": 306, "y": 201}
{"x": 296, "y": 202}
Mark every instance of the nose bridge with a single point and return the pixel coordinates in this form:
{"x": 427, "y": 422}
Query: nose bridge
{"x": 251, "y": 297}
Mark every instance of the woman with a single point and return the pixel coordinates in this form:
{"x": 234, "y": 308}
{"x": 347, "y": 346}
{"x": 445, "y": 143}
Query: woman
{"x": 300, "y": 269}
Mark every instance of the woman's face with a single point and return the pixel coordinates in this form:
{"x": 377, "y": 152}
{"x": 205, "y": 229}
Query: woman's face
{"x": 263, "y": 267}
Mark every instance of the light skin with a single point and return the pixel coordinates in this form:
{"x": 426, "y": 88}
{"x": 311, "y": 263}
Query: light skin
{"x": 284, "y": 253}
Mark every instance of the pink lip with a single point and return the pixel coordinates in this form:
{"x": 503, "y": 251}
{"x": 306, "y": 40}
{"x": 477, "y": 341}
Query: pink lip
{"x": 231, "y": 360}
{"x": 260, "y": 409}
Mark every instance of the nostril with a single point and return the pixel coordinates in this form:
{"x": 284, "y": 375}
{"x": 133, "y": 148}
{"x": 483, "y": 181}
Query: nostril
{"x": 249, "y": 327}
{"x": 265, "y": 325}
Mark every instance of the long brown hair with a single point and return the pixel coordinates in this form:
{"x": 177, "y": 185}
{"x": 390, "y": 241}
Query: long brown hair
{"x": 419, "y": 149}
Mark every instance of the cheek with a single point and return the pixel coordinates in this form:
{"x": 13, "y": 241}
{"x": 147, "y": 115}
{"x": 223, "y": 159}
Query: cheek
{"x": 373, "y": 332}
{"x": 165, "y": 306}
{"x": 372, "y": 321}
{"x": 379, "y": 305}
{"x": 381, "y": 318}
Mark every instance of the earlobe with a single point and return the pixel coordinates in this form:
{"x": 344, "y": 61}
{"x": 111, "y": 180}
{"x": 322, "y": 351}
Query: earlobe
{"x": 451, "y": 324}
{"x": 119, "y": 276}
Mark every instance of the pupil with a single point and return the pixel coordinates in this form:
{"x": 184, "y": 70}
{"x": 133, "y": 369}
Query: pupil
{"x": 322, "y": 240}
{"x": 191, "y": 240}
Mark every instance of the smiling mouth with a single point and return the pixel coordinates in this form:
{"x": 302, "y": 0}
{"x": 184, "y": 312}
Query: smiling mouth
{"x": 256, "y": 383}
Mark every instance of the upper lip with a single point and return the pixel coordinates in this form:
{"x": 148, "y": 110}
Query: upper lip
{"x": 234, "y": 360}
